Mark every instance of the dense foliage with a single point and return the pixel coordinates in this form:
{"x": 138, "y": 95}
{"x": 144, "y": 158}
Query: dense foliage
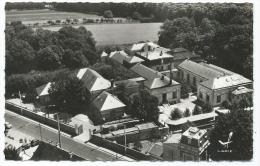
{"x": 145, "y": 106}
{"x": 240, "y": 122}
{"x": 28, "y": 50}
{"x": 69, "y": 95}
{"x": 221, "y": 33}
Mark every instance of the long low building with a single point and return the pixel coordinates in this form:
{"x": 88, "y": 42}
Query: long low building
{"x": 214, "y": 84}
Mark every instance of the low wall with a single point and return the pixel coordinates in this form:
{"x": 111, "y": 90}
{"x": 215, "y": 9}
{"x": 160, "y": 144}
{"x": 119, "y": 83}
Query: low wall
{"x": 39, "y": 118}
{"x": 120, "y": 148}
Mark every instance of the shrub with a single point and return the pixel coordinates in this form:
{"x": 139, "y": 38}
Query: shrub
{"x": 197, "y": 110}
{"x": 187, "y": 112}
{"x": 176, "y": 114}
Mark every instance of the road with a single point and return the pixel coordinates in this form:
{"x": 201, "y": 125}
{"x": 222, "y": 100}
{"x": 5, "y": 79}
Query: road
{"x": 87, "y": 151}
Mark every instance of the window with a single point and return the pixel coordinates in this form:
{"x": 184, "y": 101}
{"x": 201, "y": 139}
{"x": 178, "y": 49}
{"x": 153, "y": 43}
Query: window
{"x": 194, "y": 81}
{"x": 218, "y": 98}
{"x": 174, "y": 94}
{"x": 188, "y": 78}
{"x": 207, "y": 98}
{"x": 189, "y": 141}
{"x": 164, "y": 97}
{"x": 169, "y": 67}
{"x": 200, "y": 95}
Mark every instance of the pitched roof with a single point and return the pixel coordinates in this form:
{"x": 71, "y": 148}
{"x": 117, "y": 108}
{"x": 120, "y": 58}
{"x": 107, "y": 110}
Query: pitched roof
{"x": 92, "y": 80}
{"x": 139, "y": 46}
{"x": 104, "y": 54}
{"x": 201, "y": 69}
{"x": 156, "y": 150}
{"x": 121, "y": 56}
{"x": 44, "y": 89}
{"x": 154, "y": 55}
{"x": 242, "y": 90}
{"x": 153, "y": 78}
{"x": 145, "y": 126}
{"x": 182, "y": 53}
{"x": 226, "y": 81}
{"x": 107, "y": 101}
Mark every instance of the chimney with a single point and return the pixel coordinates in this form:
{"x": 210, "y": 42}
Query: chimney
{"x": 162, "y": 78}
{"x": 170, "y": 73}
{"x": 112, "y": 83}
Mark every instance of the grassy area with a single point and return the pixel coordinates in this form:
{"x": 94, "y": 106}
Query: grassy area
{"x": 116, "y": 34}
{"x": 33, "y": 16}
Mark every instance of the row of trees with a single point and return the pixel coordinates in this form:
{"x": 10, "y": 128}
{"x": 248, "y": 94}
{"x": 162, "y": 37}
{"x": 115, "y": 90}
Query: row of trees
{"x": 28, "y": 49}
{"x": 221, "y": 33}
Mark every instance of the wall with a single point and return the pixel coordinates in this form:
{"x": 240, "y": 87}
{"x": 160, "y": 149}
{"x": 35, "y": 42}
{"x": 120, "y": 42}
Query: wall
{"x": 113, "y": 114}
{"x": 225, "y": 94}
{"x": 120, "y": 148}
{"x": 171, "y": 151}
{"x": 169, "y": 89}
{"x": 184, "y": 77}
{"x": 42, "y": 119}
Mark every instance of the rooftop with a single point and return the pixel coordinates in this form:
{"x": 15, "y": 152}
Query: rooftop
{"x": 182, "y": 53}
{"x": 153, "y": 78}
{"x": 107, "y": 101}
{"x": 204, "y": 70}
{"x": 104, "y": 54}
{"x": 194, "y": 132}
{"x": 226, "y": 81}
{"x": 44, "y": 89}
{"x": 121, "y": 56}
{"x": 174, "y": 138}
{"x": 155, "y": 55}
{"x": 242, "y": 90}
{"x": 140, "y": 46}
{"x": 93, "y": 80}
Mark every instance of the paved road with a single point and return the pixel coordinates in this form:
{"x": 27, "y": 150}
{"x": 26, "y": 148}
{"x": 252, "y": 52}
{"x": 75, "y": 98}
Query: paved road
{"x": 87, "y": 151}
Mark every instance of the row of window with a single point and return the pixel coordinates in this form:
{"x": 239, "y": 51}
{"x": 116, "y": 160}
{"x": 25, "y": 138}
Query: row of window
{"x": 207, "y": 97}
{"x": 164, "y": 96}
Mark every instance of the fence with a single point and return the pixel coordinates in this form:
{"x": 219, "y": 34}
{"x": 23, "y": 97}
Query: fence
{"x": 120, "y": 148}
{"x": 39, "y": 118}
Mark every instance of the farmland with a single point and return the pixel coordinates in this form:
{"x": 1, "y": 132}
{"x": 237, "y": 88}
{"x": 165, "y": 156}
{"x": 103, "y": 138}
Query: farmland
{"x": 33, "y": 16}
{"x": 115, "y": 34}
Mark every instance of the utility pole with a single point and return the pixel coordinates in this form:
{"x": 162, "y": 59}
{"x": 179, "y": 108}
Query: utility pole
{"x": 40, "y": 130}
{"x": 125, "y": 138}
{"x": 21, "y": 103}
{"x": 58, "y": 121}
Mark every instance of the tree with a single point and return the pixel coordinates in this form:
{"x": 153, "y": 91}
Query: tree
{"x": 197, "y": 110}
{"x": 19, "y": 57}
{"x": 70, "y": 95}
{"x": 11, "y": 153}
{"x": 176, "y": 114}
{"x": 48, "y": 59}
{"x": 187, "y": 112}
{"x": 240, "y": 122}
{"x": 136, "y": 15}
{"x": 145, "y": 106}
{"x": 108, "y": 14}
{"x": 74, "y": 59}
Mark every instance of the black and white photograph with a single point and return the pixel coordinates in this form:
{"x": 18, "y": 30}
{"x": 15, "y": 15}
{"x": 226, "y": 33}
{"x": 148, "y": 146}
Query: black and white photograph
{"x": 129, "y": 81}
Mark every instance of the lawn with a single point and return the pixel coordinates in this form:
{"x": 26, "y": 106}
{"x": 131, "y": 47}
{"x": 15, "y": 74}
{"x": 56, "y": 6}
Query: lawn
{"x": 116, "y": 34}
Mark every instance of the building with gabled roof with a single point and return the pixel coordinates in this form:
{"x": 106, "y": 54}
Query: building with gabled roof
{"x": 123, "y": 58}
{"x": 214, "y": 84}
{"x": 157, "y": 84}
{"x": 92, "y": 80}
{"x": 43, "y": 93}
{"x": 108, "y": 106}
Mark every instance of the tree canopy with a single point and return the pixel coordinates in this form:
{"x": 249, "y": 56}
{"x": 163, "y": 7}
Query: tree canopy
{"x": 145, "y": 106}
{"x": 240, "y": 122}
{"x": 69, "y": 95}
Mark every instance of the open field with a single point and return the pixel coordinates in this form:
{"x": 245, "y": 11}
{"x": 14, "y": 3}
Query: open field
{"x": 116, "y": 34}
{"x": 33, "y": 16}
